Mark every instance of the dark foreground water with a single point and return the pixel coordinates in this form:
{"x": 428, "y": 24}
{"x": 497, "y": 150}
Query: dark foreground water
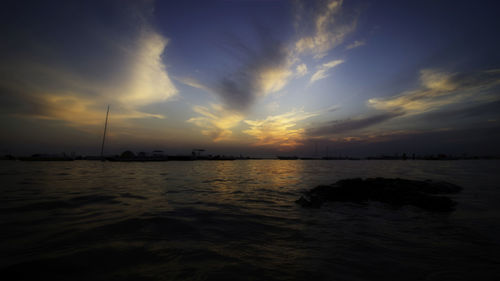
{"x": 237, "y": 220}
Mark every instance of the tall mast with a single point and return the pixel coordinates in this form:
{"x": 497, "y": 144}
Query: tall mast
{"x": 104, "y": 135}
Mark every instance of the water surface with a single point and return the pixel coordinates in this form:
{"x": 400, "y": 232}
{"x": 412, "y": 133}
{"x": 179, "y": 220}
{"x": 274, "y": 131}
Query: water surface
{"x": 237, "y": 220}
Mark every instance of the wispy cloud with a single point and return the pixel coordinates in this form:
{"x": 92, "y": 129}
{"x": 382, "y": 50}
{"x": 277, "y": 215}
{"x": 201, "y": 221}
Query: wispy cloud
{"x": 331, "y": 28}
{"x": 355, "y": 44}
{"x": 269, "y": 65}
{"x": 264, "y": 69}
{"x": 192, "y": 82}
{"x": 215, "y": 121}
{"x": 323, "y": 69}
{"x": 439, "y": 89}
{"x": 349, "y": 125}
{"x": 78, "y": 111}
{"x": 279, "y": 130}
{"x": 466, "y": 111}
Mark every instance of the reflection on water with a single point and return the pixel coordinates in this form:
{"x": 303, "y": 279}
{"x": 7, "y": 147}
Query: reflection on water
{"x": 216, "y": 220}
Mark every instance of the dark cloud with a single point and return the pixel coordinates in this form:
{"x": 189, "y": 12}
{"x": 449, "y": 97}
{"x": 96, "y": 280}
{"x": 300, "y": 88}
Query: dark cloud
{"x": 240, "y": 88}
{"x": 238, "y": 91}
{"x": 486, "y": 79}
{"x": 480, "y": 140}
{"x": 343, "y": 126}
{"x": 474, "y": 111}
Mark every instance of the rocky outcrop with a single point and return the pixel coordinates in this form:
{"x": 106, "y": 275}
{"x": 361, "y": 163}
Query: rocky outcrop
{"x": 394, "y": 192}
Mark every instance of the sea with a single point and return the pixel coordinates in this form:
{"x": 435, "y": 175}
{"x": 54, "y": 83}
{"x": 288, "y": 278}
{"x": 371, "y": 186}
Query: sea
{"x": 238, "y": 220}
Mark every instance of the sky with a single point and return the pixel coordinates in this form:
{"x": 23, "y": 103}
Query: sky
{"x": 250, "y": 77}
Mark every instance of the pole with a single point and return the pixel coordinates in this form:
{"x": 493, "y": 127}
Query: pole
{"x": 104, "y": 135}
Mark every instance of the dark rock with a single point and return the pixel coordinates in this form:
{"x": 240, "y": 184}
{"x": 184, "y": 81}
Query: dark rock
{"x": 395, "y": 192}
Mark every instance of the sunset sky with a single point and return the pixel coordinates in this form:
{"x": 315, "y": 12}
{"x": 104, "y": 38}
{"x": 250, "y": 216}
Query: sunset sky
{"x": 251, "y": 77}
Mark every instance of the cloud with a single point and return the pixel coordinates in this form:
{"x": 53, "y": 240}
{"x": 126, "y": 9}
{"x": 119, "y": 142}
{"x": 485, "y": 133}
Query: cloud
{"x": 441, "y": 96}
{"x": 322, "y": 70}
{"x": 78, "y": 99}
{"x": 119, "y": 64}
{"x": 265, "y": 70}
{"x": 301, "y": 70}
{"x": 332, "y": 108}
{"x": 437, "y": 81}
{"x": 343, "y": 126}
{"x": 279, "y": 130}
{"x": 269, "y": 65}
{"x": 439, "y": 89}
{"x": 216, "y": 122}
{"x": 330, "y": 29}
{"x": 273, "y": 79}
{"x": 149, "y": 80}
{"x": 192, "y": 82}
{"x": 78, "y": 111}
{"x": 355, "y": 44}
{"x": 480, "y": 140}
{"x": 472, "y": 111}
